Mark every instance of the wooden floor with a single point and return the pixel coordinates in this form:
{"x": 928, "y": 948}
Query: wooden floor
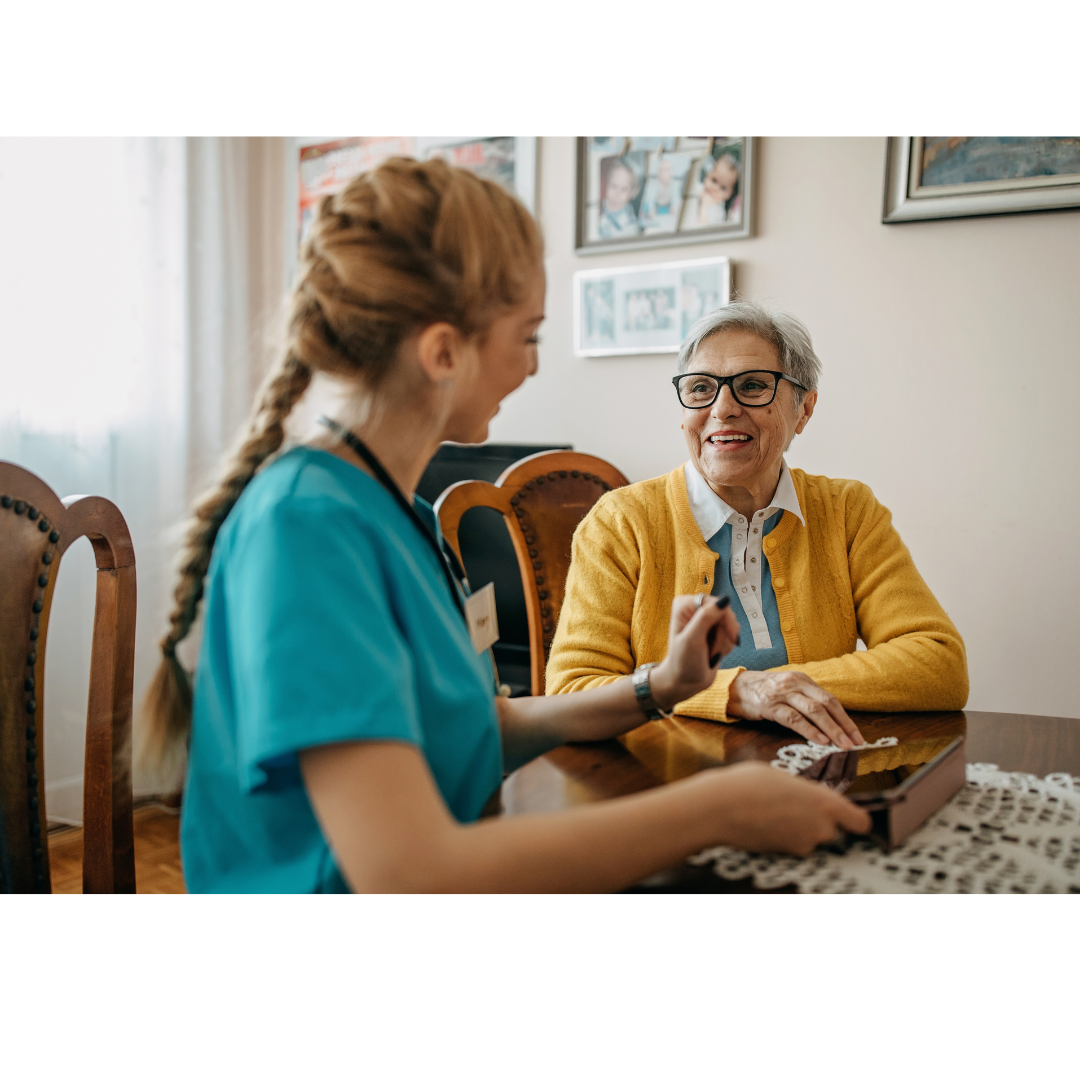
{"x": 157, "y": 854}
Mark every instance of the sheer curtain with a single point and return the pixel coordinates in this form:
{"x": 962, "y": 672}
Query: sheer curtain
{"x": 139, "y": 279}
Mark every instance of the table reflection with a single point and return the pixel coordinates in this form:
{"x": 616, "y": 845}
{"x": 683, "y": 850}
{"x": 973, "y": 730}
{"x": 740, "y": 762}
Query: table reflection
{"x": 665, "y": 750}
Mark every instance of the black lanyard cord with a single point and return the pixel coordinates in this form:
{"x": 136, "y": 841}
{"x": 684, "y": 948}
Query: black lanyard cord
{"x": 387, "y": 481}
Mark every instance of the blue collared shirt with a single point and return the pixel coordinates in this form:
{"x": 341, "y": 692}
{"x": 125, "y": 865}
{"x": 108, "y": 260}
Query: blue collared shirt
{"x": 742, "y": 570}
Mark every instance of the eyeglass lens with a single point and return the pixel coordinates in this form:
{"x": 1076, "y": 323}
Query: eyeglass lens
{"x": 749, "y": 388}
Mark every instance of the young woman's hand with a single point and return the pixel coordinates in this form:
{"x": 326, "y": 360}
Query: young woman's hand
{"x": 793, "y": 699}
{"x": 764, "y": 809}
{"x": 701, "y": 632}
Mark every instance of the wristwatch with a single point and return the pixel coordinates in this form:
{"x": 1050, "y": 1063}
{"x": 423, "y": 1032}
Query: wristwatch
{"x": 643, "y": 693}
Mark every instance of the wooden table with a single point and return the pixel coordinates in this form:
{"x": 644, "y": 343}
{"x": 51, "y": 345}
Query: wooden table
{"x": 665, "y": 750}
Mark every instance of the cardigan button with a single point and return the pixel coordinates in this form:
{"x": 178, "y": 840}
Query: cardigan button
{"x": 779, "y": 582}
{"x": 788, "y": 627}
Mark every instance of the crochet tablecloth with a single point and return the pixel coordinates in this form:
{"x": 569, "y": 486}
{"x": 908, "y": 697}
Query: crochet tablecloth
{"x": 1003, "y": 832}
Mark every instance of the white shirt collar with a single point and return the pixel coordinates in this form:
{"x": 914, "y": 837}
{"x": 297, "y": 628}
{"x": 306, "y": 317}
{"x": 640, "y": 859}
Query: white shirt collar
{"x": 711, "y": 512}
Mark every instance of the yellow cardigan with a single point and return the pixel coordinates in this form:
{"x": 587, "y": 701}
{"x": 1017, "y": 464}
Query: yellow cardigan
{"x": 845, "y": 575}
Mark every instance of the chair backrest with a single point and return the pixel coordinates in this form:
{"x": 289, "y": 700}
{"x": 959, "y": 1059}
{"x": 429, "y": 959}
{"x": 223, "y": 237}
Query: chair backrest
{"x": 542, "y": 499}
{"x": 36, "y": 528}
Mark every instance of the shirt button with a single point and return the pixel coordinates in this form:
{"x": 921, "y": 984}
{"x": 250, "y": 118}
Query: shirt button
{"x": 755, "y": 532}
{"x": 753, "y": 588}
{"x": 744, "y": 588}
{"x": 753, "y": 614}
{"x": 753, "y": 560}
{"x": 736, "y": 562}
{"x": 742, "y": 521}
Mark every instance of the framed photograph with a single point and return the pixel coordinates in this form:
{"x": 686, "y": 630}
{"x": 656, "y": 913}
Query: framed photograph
{"x": 627, "y": 310}
{"x": 640, "y": 191}
{"x": 936, "y": 176}
{"x": 325, "y": 167}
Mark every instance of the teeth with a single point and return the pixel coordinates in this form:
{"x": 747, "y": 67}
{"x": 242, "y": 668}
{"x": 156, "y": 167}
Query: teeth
{"x": 729, "y": 438}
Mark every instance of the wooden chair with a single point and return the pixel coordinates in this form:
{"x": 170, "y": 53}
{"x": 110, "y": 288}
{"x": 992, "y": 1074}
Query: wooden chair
{"x": 541, "y": 498}
{"x": 36, "y": 528}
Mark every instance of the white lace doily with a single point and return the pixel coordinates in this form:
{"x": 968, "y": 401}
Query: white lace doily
{"x": 796, "y": 756}
{"x": 1002, "y": 832}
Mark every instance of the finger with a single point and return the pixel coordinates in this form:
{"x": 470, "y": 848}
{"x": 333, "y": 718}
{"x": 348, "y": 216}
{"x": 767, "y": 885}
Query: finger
{"x": 839, "y": 714}
{"x": 790, "y": 718}
{"x": 682, "y": 611}
{"x": 723, "y": 637}
{"x": 820, "y": 717}
{"x": 708, "y": 618}
{"x": 836, "y": 711}
{"x": 848, "y": 815}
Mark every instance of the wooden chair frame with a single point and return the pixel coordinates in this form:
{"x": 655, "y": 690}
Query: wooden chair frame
{"x": 519, "y": 496}
{"x": 108, "y": 844}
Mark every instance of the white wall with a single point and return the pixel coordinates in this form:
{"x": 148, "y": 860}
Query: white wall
{"x": 951, "y": 386}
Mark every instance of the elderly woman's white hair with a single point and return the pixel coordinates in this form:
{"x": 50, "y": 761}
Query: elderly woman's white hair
{"x": 789, "y": 336}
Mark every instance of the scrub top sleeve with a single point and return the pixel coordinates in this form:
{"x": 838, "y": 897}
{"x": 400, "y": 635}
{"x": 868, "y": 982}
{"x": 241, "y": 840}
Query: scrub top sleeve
{"x": 317, "y": 655}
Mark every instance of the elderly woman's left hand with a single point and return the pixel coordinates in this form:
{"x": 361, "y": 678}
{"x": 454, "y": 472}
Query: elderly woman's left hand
{"x": 793, "y": 699}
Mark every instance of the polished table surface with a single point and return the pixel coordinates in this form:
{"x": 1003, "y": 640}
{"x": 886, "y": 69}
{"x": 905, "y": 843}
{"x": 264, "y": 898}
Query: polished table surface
{"x": 657, "y": 753}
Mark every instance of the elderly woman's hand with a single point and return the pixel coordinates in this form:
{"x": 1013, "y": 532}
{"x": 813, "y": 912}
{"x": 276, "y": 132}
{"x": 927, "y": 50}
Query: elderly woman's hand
{"x": 793, "y": 699}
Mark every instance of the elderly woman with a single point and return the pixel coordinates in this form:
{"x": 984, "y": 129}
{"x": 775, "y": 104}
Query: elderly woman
{"x": 811, "y": 565}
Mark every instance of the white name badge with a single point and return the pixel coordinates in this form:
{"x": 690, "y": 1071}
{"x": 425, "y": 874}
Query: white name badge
{"x": 480, "y": 615}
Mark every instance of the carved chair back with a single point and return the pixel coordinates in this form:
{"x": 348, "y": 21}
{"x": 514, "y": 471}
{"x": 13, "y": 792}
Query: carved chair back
{"x": 36, "y": 528}
{"x": 542, "y": 498}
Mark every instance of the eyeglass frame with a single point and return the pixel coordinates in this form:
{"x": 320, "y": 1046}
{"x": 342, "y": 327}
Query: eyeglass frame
{"x": 729, "y": 381}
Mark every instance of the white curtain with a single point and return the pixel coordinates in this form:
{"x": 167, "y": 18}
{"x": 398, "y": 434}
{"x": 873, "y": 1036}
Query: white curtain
{"x": 139, "y": 279}
{"x": 236, "y": 281}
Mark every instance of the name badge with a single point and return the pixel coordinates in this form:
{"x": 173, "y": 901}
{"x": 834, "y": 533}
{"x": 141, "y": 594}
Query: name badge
{"x": 480, "y": 615}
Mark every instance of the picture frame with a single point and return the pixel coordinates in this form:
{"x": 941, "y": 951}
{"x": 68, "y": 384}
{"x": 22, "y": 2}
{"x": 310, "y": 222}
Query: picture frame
{"x": 637, "y": 191}
{"x": 635, "y": 310}
{"x": 325, "y": 166}
{"x": 934, "y": 177}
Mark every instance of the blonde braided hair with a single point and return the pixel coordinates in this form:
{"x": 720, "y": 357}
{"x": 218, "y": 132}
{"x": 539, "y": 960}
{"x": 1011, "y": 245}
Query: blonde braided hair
{"x": 401, "y": 247}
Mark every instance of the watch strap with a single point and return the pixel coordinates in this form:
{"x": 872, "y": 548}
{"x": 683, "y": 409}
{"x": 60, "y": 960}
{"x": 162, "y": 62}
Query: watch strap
{"x": 644, "y": 695}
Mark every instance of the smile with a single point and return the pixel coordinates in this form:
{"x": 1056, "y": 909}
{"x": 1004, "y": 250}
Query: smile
{"x": 728, "y": 438}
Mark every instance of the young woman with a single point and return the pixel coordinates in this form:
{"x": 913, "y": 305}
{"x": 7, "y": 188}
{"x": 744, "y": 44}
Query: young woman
{"x": 345, "y": 732}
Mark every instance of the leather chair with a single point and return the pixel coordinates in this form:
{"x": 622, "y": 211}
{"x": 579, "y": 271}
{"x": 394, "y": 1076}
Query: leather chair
{"x": 542, "y": 498}
{"x": 36, "y": 528}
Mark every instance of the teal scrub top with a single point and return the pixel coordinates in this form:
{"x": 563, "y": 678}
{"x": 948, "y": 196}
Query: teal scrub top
{"x": 328, "y": 619}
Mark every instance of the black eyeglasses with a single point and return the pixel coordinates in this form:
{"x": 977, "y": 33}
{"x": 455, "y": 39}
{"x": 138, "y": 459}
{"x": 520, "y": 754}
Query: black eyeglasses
{"x": 698, "y": 389}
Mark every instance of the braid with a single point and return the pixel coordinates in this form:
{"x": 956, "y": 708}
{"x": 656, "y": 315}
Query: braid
{"x": 169, "y": 698}
{"x": 401, "y": 247}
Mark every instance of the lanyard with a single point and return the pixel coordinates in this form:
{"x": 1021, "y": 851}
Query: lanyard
{"x": 387, "y": 481}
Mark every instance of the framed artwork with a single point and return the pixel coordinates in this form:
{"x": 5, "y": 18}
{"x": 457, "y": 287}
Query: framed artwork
{"x": 640, "y": 191}
{"x": 325, "y": 167}
{"x": 626, "y": 310}
{"x": 938, "y": 176}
